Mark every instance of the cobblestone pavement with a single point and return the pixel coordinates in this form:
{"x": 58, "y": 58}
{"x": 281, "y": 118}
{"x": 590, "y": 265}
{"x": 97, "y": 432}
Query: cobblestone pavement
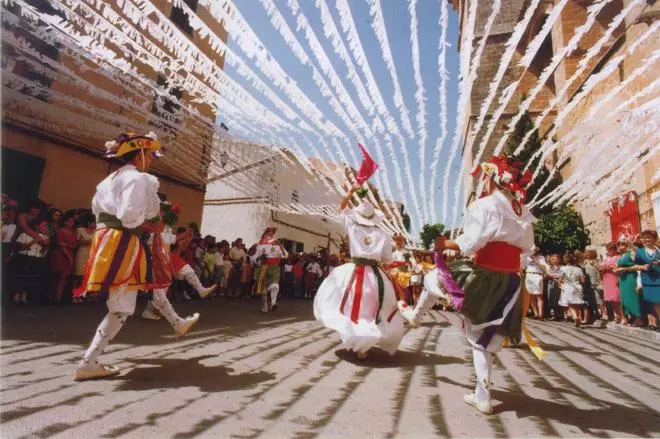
{"x": 242, "y": 374}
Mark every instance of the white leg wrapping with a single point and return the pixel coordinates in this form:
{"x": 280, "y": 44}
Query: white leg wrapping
{"x": 188, "y": 274}
{"x": 106, "y": 331}
{"x": 483, "y": 366}
{"x": 273, "y": 290}
{"x": 163, "y": 305}
{"x": 426, "y": 302}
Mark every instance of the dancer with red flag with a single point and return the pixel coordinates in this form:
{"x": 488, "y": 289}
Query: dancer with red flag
{"x": 358, "y": 299}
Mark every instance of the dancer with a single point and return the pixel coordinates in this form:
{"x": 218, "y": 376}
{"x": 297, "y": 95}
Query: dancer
{"x": 399, "y": 268}
{"x": 271, "y": 252}
{"x": 126, "y": 205}
{"x": 168, "y": 264}
{"x": 358, "y": 299}
{"x": 534, "y": 266}
{"x": 496, "y": 231}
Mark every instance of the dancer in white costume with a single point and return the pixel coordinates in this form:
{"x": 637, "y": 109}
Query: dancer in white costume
{"x": 358, "y": 299}
{"x": 497, "y": 231}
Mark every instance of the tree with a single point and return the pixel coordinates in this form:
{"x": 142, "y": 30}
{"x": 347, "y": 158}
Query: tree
{"x": 561, "y": 230}
{"x": 429, "y": 233}
{"x": 534, "y": 143}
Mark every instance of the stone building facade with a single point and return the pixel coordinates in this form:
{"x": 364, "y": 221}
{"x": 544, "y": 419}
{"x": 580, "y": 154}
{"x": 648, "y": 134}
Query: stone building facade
{"x": 53, "y": 140}
{"x": 574, "y": 14}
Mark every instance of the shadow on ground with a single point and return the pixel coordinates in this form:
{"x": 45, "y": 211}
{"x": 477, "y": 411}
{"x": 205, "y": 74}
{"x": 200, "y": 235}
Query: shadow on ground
{"x": 379, "y": 359}
{"x": 170, "y": 373}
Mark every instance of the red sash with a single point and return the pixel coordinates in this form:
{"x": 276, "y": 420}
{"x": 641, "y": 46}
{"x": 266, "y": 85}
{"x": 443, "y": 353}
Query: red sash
{"x": 499, "y": 256}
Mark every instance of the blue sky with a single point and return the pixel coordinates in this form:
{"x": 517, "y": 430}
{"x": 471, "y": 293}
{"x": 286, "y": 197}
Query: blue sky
{"x": 397, "y": 20}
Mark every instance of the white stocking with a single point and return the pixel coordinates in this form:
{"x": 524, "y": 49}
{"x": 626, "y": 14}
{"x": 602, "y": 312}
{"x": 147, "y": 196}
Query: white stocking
{"x": 483, "y": 366}
{"x": 426, "y": 302}
{"x": 163, "y": 305}
{"x": 106, "y": 331}
{"x": 190, "y": 276}
{"x": 274, "y": 290}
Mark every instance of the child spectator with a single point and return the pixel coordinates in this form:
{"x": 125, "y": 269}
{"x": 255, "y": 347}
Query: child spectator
{"x": 62, "y": 258}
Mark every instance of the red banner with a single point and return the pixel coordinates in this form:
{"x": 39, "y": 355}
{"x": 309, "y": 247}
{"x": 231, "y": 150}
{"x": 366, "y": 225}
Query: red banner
{"x": 624, "y": 216}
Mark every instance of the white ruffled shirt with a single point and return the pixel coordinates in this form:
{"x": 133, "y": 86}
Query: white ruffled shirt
{"x": 128, "y": 194}
{"x": 492, "y": 219}
{"x": 367, "y": 242}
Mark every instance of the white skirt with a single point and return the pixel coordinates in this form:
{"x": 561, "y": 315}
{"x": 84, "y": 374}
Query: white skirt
{"x": 534, "y": 284}
{"x": 571, "y": 294}
{"x": 366, "y": 333}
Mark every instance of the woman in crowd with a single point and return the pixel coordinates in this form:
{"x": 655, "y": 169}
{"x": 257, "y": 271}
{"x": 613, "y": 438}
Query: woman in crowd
{"x": 627, "y": 271}
{"x": 534, "y": 266}
{"x": 54, "y": 223}
{"x": 572, "y": 292}
{"x": 84, "y": 235}
{"x": 611, "y": 281}
{"x": 649, "y": 258}
{"x": 62, "y": 257}
{"x": 27, "y": 218}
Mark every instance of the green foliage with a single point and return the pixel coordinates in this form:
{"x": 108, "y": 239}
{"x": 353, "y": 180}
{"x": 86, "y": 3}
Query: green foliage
{"x": 429, "y": 233}
{"x": 524, "y": 125}
{"x": 561, "y": 230}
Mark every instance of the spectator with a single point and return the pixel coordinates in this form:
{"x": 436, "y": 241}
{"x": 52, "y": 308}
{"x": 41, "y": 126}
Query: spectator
{"x": 84, "y": 236}
{"x": 29, "y": 216}
{"x": 553, "y": 275}
{"x": 235, "y": 256}
{"x": 287, "y": 277}
{"x": 611, "y": 281}
{"x": 211, "y": 272}
{"x": 594, "y": 283}
{"x": 200, "y": 251}
{"x": 54, "y": 223}
{"x": 62, "y": 257}
{"x": 246, "y": 276}
{"x": 572, "y": 293}
{"x": 8, "y": 232}
{"x": 627, "y": 271}
{"x": 534, "y": 273}
{"x": 30, "y": 262}
{"x": 298, "y": 273}
{"x": 312, "y": 274}
{"x": 649, "y": 258}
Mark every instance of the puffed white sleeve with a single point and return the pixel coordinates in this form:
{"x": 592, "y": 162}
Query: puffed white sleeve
{"x": 139, "y": 201}
{"x": 480, "y": 225}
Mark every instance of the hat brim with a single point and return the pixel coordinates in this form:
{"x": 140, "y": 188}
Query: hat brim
{"x": 374, "y": 220}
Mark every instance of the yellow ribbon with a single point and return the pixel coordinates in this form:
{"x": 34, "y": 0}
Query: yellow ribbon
{"x": 533, "y": 344}
{"x": 262, "y": 276}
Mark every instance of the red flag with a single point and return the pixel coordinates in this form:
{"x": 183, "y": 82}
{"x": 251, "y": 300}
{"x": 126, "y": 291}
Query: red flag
{"x": 367, "y": 168}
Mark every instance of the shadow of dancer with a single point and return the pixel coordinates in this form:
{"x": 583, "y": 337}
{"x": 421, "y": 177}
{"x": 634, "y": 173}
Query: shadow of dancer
{"x": 609, "y": 416}
{"x": 174, "y": 373}
{"x": 380, "y": 359}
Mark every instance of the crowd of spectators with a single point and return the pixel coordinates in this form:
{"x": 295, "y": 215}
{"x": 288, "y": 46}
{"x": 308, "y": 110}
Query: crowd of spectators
{"x": 596, "y": 286}
{"x": 44, "y": 252}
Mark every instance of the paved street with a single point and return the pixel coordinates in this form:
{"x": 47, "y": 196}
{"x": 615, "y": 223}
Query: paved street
{"x": 242, "y": 374}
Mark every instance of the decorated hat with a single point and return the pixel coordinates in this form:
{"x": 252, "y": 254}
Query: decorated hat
{"x": 507, "y": 173}
{"x": 129, "y": 142}
{"x": 366, "y": 215}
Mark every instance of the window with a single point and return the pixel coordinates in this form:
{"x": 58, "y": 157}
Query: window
{"x": 179, "y": 17}
{"x": 295, "y": 197}
{"x": 164, "y": 106}
{"x": 21, "y": 174}
{"x": 293, "y": 246}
